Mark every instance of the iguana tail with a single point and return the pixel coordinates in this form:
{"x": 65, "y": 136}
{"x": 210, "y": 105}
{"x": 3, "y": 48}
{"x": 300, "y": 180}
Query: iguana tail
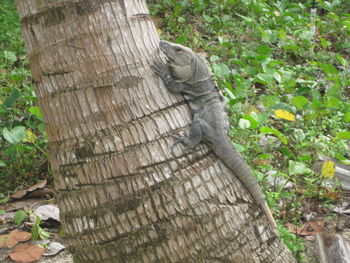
{"x": 231, "y": 158}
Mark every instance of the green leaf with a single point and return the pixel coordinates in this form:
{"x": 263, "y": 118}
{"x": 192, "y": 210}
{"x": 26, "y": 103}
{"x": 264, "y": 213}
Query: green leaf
{"x": 332, "y": 102}
{"x": 19, "y": 217}
{"x": 2, "y": 212}
{"x": 36, "y": 229}
{"x": 253, "y": 123}
{"x": 14, "y": 135}
{"x": 307, "y": 35}
{"x": 9, "y": 55}
{"x": 328, "y": 69}
{"x": 286, "y": 152}
{"x": 264, "y": 78}
{"x": 299, "y": 102}
{"x": 269, "y": 100}
{"x": 277, "y": 77}
{"x": 347, "y": 117}
{"x": 239, "y": 147}
{"x": 264, "y": 50}
{"x": 342, "y": 60}
{"x": 2, "y": 163}
{"x": 35, "y": 110}
{"x": 297, "y": 168}
{"x": 268, "y": 130}
{"x": 345, "y": 135}
{"x": 221, "y": 70}
{"x": 10, "y": 100}
{"x": 243, "y": 124}
{"x": 181, "y": 19}
{"x": 324, "y": 42}
{"x": 208, "y": 18}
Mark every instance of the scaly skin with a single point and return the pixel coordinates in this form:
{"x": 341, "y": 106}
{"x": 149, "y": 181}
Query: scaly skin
{"x": 187, "y": 73}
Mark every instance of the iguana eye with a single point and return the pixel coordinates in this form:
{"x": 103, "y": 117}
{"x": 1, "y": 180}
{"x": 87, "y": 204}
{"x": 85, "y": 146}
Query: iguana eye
{"x": 178, "y": 49}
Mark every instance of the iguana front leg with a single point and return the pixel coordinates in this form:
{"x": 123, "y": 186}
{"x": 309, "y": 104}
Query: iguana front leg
{"x": 164, "y": 73}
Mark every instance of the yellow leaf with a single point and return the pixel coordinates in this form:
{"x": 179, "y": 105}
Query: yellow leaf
{"x": 328, "y": 169}
{"x": 159, "y": 31}
{"x": 283, "y": 114}
{"x": 31, "y": 137}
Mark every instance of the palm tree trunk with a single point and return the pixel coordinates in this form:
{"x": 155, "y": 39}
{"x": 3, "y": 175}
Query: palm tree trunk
{"x": 110, "y": 121}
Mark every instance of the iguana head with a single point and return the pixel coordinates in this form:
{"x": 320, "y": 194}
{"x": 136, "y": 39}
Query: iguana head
{"x": 180, "y": 59}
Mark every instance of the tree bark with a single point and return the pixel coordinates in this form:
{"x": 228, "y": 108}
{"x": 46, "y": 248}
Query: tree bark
{"x": 123, "y": 197}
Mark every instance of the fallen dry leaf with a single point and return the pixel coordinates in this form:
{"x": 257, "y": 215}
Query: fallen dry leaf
{"x": 307, "y": 229}
{"x": 26, "y": 253}
{"x": 53, "y": 249}
{"x": 15, "y": 236}
{"x": 21, "y": 193}
{"x": 22, "y": 204}
{"x": 46, "y": 212}
{"x": 39, "y": 185}
{"x": 344, "y": 208}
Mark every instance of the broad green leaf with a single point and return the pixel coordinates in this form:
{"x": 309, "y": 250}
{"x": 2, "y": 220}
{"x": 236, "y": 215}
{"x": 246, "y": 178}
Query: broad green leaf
{"x": 269, "y": 100}
{"x": 277, "y": 77}
{"x": 342, "y": 60}
{"x": 286, "y": 152}
{"x": 252, "y": 121}
{"x": 2, "y": 163}
{"x": 268, "y": 130}
{"x": 239, "y": 147}
{"x": 14, "y": 135}
{"x": 307, "y": 35}
{"x": 208, "y": 18}
{"x": 324, "y": 42}
{"x": 19, "y": 217}
{"x": 221, "y": 70}
{"x": 297, "y": 168}
{"x": 9, "y": 55}
{"x": 347, "y": 117}
{"x": 264, "y": 78}
{"x": 181, "y": 19}
{"x": 332, "y": 102}
{"x": 299, "y": 102}
{"x": 345, "y": 135}
{"x": 35, "y": 110}
{"x": 342, "y": 158}
{"x": 214, "y": 58}
{"x": 328, "y": 69}
{"x": 2, "y": 212}
{"x": 264, "y": 50}
{"x": 299, "y": 134}
{"x": 10, "y": 100}
{"x": 347, "y": 24}
{"x": 243, "y": 124}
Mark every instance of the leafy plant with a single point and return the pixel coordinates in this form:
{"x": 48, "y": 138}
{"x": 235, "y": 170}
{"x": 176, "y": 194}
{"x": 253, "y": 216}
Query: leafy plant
{"x": 284, "y": 84}
{"x": 23, "y": 158}
{"x": 20, "y": 216}
{"x": 38, "y": 232}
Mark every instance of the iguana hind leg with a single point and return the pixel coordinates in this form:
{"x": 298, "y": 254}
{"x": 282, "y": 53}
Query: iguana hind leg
{"x": 199, "y": 131}
{"x": 192, "y": 140}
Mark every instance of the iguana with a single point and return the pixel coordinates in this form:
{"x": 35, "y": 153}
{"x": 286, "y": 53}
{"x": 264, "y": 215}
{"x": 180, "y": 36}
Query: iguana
{"x": 186, "y": 72}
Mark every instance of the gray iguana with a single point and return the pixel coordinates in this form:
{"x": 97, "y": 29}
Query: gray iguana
{"x": 188, "y": 73}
